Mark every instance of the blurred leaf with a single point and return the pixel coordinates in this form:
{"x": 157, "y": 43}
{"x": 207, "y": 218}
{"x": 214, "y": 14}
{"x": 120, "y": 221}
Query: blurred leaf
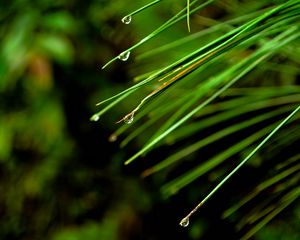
{"x": 60, "y": 21}
{"x": 56, "y": 46}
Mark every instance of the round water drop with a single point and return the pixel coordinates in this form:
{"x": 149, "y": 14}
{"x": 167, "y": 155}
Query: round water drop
{"x": 184, "y": 222}
{"x": 113, "y": 138}
{"x": 124, "y": 56}
{"x": 95, "y": 118}
{"x": 126, "y": 19}
{"x": 128, "y": 119}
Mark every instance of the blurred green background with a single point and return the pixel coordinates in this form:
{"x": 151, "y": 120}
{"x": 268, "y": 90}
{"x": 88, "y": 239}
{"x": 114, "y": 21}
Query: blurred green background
{"x": 60, "y": 177}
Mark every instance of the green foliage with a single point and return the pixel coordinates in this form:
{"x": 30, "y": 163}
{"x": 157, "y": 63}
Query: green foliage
{"x": 231, "y": 82}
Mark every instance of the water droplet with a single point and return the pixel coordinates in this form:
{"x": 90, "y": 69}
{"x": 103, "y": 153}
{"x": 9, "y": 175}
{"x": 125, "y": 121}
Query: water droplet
{"x": 113, "y": 138}
{"x": 128, "y": 119}
{"x": 124, "y": 56}
{"x": 126, "y": 19}
{"x": 184, "y": 222}
{"x": 95, "y": 118}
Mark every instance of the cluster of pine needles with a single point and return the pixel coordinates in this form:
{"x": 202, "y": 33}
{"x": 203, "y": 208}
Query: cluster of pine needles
{"x": 234, "y": 81}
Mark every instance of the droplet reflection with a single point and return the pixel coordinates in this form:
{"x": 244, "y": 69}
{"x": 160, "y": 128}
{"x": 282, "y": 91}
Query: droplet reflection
{"x": 95, "y": 118}
{"x": 124, "y": 56}
{"x": 184, "y": 222}
{"x": 128, "y": 119}
{"x": 126, "y": 19}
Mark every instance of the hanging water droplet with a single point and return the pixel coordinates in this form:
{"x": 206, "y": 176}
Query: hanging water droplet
{"x": 124, "y": 56}
{"x": 128, "y": 119}
{"x": 95, "y": 118}
{"x": 184, "y": 222}
{"x": 126, "y": 19}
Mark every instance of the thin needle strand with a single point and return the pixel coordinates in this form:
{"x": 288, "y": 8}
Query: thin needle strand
{"x": 188, "y": 15}
{"x": 186, "y": 219}
{"x": 143, "y": 8}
